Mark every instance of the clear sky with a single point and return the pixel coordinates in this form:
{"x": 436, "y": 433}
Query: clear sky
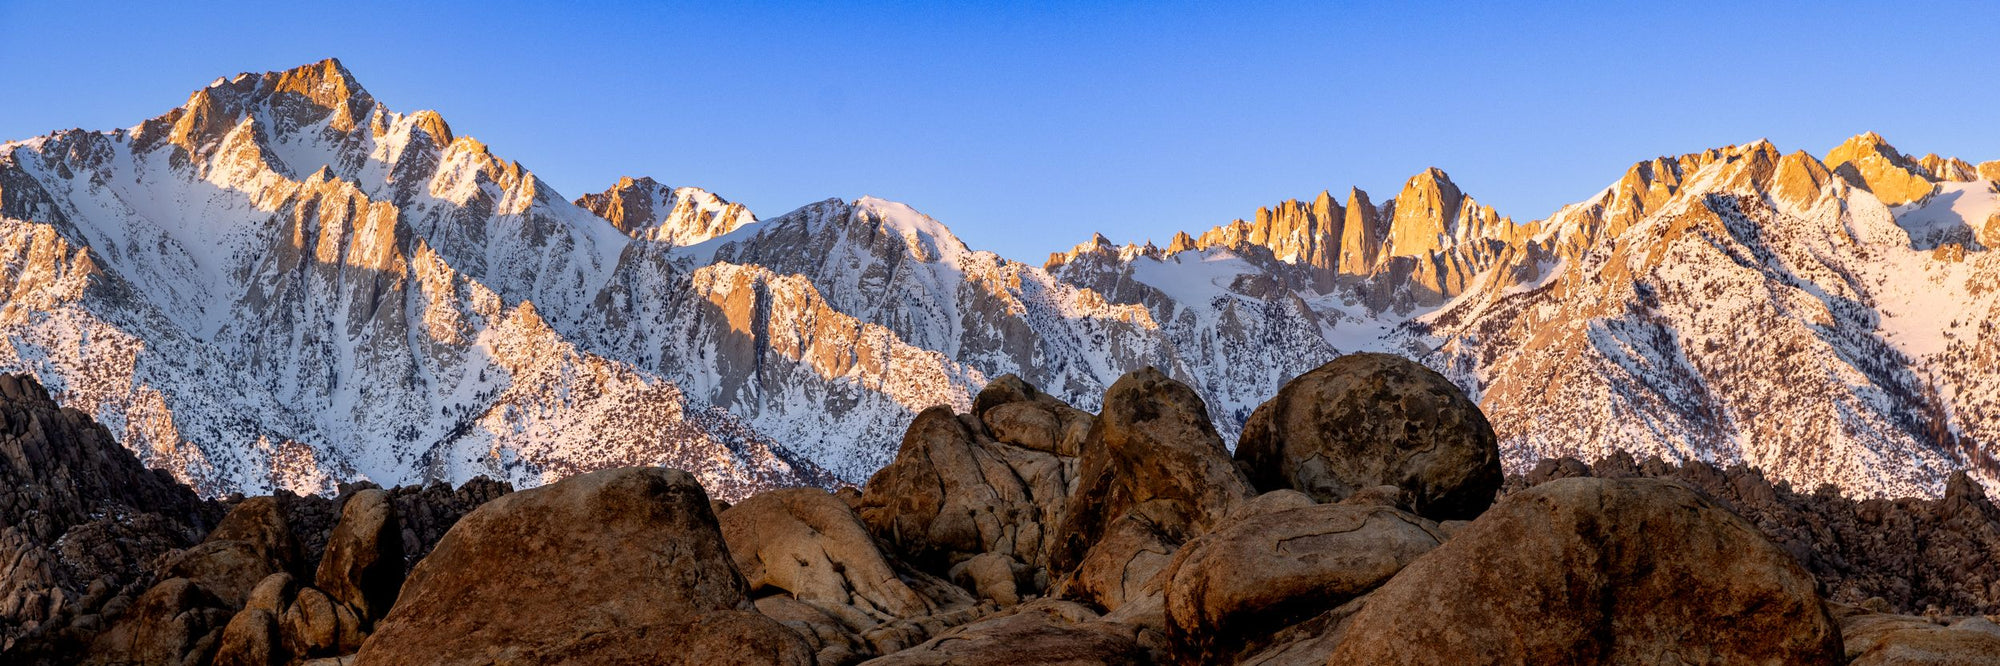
{"x": 1027, "y": 126}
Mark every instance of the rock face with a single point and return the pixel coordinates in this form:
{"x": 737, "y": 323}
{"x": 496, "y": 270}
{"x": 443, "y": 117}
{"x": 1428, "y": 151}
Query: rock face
{"x": 609, "y": 567}
{"x": 996, "y": 481}
{"x": 1366, "y": 420}
{"x": 806, "y": 542}
{"x": 1269, "y": 570}
{"x": 1153, "y": 475}
{"x": 1043, "y": 632}
{"x": 1912, "y": 555}
{"x": 1893, "y": 178}
{"x": 1880, "y": 640}
{"x": 1598, "y": 571}
{"x": 363, "y": 566}
{"x": 81, "y": 521}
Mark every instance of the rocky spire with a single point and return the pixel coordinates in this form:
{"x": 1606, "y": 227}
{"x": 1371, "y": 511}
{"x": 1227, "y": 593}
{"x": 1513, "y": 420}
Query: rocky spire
{"x": 1361, "y": 235}
{"x": 1425, "y": 212}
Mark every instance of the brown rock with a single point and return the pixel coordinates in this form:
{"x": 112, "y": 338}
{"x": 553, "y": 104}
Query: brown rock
{"x": 251, "y": 639}
{"x": 832, "y": 641}
{"x": 1269, "y": 570}
{"x": 1045, "y": 631}
{"x": 1879, "y": 640}
{"x": 273, "y": 594}
{"x": 1590, "y": 571}
{"x": 618, "y": 566}
{"x": 363, "y": 565}
{"x": 260, "y": 523}
{"x": 1366, "y": 420}
{"x": 1153, "y": 474}
{"x": 952, "y": 493}
{"x": 311, "y": 625}
{"x": 806, "y": 542}
{"x": 227, "y": 568}
{"x": 166, "y": 625}
{"x": 994, "y": 577}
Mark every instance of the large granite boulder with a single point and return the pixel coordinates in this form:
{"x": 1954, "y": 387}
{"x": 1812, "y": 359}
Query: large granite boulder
{"x": 1265, "y": 571}
{"x": 617, "y": 566}
{"x": 1366, "y": 420}
{"x": 1153, "y": 474}
{"x": 1598, "y": 571}
{"x": 955, "y": 492}
{"x": 363, "y": 565}
{"x": 808, "y": 543}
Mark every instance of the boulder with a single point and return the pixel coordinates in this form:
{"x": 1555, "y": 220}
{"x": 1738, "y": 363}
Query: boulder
{"x": 1017, "y": 413}
{"x": 363, "y": 565}
{"x": 1598, "y": 571}
{"x": 260, "y": 523}
{"x": 273, "y": 594}
{"x": 616, "y": 566}
{"x": 1269, "y": 570}
{"x": 995, "y": 577}
{"x": 226, "y": 568}
{"x": 953, "y": 493}
{"x": 173, "y": 621}
{"x": 251, "y": 639}
{"x": 806, "y": 542}
{"x": 1044, "y": 631}
{"x": 1153, "y": 474}
{"x": 1367, "y": 420}
{"x": 1882, "y": 639}
{"x": 311, "y": 624}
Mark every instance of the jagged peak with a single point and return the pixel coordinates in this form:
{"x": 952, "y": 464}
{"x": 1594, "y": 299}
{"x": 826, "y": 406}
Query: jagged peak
{"x": 1863, "y": 145}
{"x": 646, "y": 209}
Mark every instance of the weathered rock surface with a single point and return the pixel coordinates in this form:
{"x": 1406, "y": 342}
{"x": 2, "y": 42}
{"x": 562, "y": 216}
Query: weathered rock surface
{"x": 363, "y": 565}
{"x": 173, "y": 622}
{"x": 81, "y": 521}
{"x": 1269, "y": 570}
{"x": 1153, "y": 474}
{"x": 956, "y": 491}
{"x": 1598, "y": 571}
{"x": 1366, "y": 420}
{"x": 1914, "y": 554}
{"x": 1047, "y": 632}
{"x": 807, "y": 543}
{"x": 615, "y": 566}
{"x": 1882, "y": 639}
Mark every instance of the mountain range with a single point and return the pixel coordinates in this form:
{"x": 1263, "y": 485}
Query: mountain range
{"x": 284, "y": 284}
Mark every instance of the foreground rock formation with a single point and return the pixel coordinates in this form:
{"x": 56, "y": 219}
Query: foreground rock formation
{"x": 1367, "y": 526}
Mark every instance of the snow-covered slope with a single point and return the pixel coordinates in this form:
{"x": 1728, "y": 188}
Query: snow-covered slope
{"x": 284, "y": 284}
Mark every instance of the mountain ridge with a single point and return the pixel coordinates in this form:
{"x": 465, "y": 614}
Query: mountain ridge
{"x": 460, "y": 317}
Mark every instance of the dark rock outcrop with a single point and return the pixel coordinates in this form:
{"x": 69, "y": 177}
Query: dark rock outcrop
{"x": 1916, "y": 555}
{"x": 82, "y": 524}
{"x": 615, "y": 566}
{"x": 1366, "y": 420}
{"x": 1598, "y": 571}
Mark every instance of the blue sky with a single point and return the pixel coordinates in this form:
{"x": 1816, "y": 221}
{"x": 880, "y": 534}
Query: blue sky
{"x": 1027, "y": 126}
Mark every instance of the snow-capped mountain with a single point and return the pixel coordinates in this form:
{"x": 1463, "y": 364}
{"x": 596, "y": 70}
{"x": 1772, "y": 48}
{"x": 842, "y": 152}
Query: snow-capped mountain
{"x": 283, "y": 283}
